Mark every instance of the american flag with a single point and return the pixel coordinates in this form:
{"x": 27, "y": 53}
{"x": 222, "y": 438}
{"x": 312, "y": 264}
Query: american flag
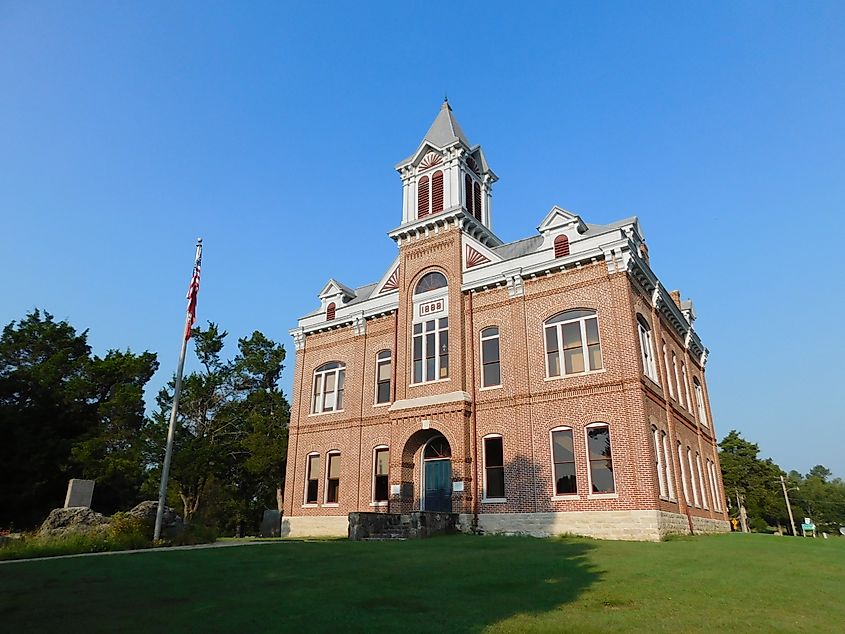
{"x": 193, "y": 291}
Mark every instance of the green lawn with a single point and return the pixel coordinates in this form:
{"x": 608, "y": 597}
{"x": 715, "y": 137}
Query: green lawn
{"x": 727, "y": 583}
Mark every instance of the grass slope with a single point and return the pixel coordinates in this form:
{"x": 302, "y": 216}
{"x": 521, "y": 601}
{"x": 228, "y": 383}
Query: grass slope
{"x": 461, "y": 583}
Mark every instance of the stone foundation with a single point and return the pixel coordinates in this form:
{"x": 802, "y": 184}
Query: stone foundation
{"x": 415, "y": 525}
{"x": 326, "y": 526}
{"x": 628, "y": 525}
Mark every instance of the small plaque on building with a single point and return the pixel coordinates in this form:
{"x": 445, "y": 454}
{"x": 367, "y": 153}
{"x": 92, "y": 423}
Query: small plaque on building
{"x": 395, "y": 489}
{"x": 79, "y": 493}
{"x": 458, "y": 486}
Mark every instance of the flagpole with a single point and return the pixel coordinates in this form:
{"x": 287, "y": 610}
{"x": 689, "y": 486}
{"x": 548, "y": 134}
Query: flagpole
{"x": 177, "y": 391}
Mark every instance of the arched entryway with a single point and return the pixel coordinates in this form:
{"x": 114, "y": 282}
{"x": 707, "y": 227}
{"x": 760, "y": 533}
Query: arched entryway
{"x": 437, "y": 476}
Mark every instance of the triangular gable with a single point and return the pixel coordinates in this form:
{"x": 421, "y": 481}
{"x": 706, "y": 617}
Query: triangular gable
{"x": 560, "y": 218}
{"x": 389, "y": 282}
{"x": 476, "y": 254}
{"x": 333, "y": 288}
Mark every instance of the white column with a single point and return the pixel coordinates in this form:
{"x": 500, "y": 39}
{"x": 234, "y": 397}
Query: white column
{"x": 406, "y": 187}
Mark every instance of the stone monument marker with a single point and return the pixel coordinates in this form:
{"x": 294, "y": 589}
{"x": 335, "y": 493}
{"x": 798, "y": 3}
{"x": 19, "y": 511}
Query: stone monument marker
{"x": 79, "y": 493}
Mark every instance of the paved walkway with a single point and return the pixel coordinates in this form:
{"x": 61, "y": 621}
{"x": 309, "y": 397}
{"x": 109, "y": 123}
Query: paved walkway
{"x": 162, "y": 549}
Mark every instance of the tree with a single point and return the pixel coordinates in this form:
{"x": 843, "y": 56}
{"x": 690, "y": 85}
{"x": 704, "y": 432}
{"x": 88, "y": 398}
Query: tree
{"x": 757, "y": 480}
{"x": 231, "y": 429}
{"x": 62, "y": 412}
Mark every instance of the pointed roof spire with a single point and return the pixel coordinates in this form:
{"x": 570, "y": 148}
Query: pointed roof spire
{"x": 445, "y": 129}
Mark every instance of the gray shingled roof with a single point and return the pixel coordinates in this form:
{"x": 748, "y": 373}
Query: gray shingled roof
{"x": 362, "y": 293}
{"x": 519, "y": 248}
{"x": 445, "y": 129}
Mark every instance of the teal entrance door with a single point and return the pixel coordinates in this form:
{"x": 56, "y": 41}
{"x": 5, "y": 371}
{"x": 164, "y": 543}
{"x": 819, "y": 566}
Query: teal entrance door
{"x": 438, "y": 486}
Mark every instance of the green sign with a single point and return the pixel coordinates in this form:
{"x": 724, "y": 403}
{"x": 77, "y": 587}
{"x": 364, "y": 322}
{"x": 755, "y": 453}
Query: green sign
{"x": 808, "y": 527}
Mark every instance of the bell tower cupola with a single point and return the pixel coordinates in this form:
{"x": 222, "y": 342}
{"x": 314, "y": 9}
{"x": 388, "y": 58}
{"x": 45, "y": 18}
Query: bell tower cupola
{"x": 446, "y": 174}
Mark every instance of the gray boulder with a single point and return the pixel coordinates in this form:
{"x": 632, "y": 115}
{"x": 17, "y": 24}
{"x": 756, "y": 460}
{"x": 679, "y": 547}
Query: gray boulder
{"x": 75, "y": 519}
{"x": 171, "y": 523}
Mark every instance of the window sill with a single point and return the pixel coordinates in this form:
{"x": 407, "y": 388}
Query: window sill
{"x": 602, "y": 496}
{"x": 575, "y": 375}
{"x": 382, "y": 404}
{"x": 446, "y": 380}
{"x": 334, "y": 411}
{"x": 330, "y": 505}
{"x": 565, "y": 498}
{"x": 311, "y": 506}
{"x": 490, "y": 387}
{"x": 666, "y": 499}
{"x": 383, "y": 503}
{"x": 494, "y": 500}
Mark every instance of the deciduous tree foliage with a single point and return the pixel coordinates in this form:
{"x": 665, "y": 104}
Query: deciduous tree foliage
{"x": 231, "y": 430}
{"x": 65, "y": 413}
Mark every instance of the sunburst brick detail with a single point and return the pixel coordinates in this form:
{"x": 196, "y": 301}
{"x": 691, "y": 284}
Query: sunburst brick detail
{"x": 392, "y": 282}
{"x": 430, "y": 160}
{"x": 474, "y": 258}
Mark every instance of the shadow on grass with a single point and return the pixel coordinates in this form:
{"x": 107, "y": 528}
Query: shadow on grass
{"x": 454, "y": 583}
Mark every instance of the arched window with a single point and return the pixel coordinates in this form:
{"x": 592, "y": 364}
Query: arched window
{"x": 328, "y": 388}
{"x": 423, "y": 208}
{"x": 431, "y": 281}
{"x": 600, "y": 457}
{"x": 575, "y": 334}
{"x": 491, "y": 374}
{"x": 563, "y": 462}
{"x": 699, "y": 401}
{"x": 670, "y": 471}
{"x": 430, "y": 339}
{"x": 468, "y": 195}
{"x": 494, "y": 468}
{"x": 383, "y": 377}
{"x": 437, "y": 448}
{"x": 701, "y": 481}
{"x": 658, "y": 460}
{"x": 686, "y": 385}
{"x": 646, "y": 349}
{"x": 668, "y": 370}
{"x": 381, "y": 470}
{"x": 476, "y": 190}
{"x": 691, "y": 464}
{"x": 437, "y": 192}
{"x": 683, "y": 474}
{"x": 330, "y": 311}
{"x": 312, "y": 477}
{"x": 561, "y": 246}
{"x": 332, "y": 477}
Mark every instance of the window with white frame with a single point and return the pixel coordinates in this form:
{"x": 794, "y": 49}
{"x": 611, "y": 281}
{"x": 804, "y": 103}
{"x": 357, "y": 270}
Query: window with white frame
{"x": 714, "y": 479}
{"x": 646, "y": 349}
{"x": 332, "y": 477}
{"x": 701, "y": 481}
{"x": 563, "y": 462}
{"x": 383, "y": 372}
{"x": 699, "y": 401}
{"x": 668, "y": 370}
{"x": 658, "y": 462}
{"x": 574, "y": 335}
{"x": 686, "y": 385}
{"x": 683, "y": 474}
{"x": 695, "y": 497}
{"x": 430, "y": 339}
{"x": 677, "y": 379}
{"x": 491, "y": 373}
{"x": 600, "y": 457}
{"x": 381, "y": 469}
{"x": 312, "y": 477}
{"x": 670, "y": 471}
{"x": 494, "y": 468}
{"x": 328, "y": 388}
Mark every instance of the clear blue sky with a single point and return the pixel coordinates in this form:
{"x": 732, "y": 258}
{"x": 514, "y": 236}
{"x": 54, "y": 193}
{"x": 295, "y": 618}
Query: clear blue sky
{"x": 128, "y": 129}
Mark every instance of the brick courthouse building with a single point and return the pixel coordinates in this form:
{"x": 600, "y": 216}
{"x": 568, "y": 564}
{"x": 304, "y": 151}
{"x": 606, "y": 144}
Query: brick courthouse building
{"x": 543, "y": 386}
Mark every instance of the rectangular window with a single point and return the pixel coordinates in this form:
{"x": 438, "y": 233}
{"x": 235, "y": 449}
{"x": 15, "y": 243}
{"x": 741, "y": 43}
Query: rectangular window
{"x": 381, "y": 469}
{"x": 677, "y": 379}
{"x": 430, "y": 350}
{"x": 563, "y": 458}
{"x": 701, "y": 482}
{"x": 494, "y": 469}
{"x": 649, "y": 367}
{"x": 601, "y": 462}
{"x": 490, "y": 364}
{"x": 552, "y": 351}
{"x": 686, "y": 385}
{"x": 383, "y": 377}
{"x": 313, "y": 479}
{"x": 668, "y": 370}
{"x": 333, "y": 478}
